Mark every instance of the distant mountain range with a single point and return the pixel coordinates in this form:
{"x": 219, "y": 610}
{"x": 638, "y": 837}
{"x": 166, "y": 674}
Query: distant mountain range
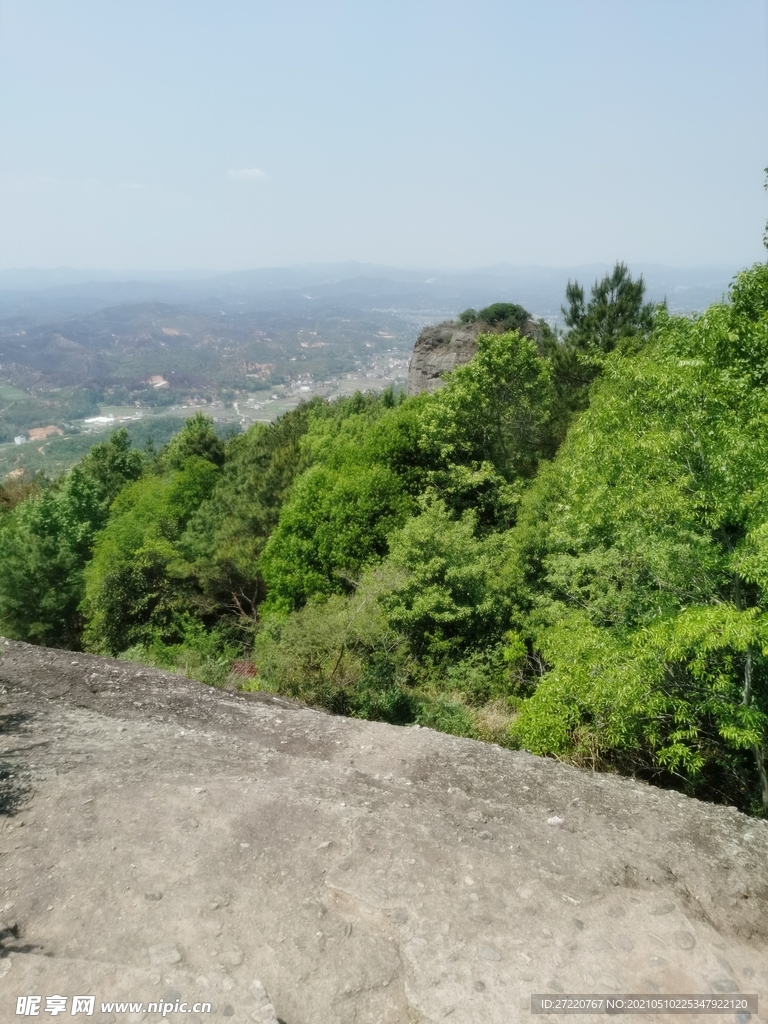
{"x": 74, "y": 343}
{"x": 422, "y": 294}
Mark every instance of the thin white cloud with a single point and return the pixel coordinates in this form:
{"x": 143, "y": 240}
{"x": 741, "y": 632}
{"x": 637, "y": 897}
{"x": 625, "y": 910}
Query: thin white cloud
{"x": 246, "y": 174}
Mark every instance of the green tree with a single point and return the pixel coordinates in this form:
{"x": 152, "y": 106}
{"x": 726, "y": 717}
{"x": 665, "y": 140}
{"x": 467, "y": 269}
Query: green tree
{"x": 508, "y": 315}
{"x": 339, "y": 653}
{"x": 615, "y": 317}
{"x": 449, "y": 594}
{"x": 138, "y": 586}
{"x": 614, "y": 313}
{"x": 226, "y": 535}
{"x": 494, "y": 410}
{"x": 366, "y": 464}
{"x": 336, "y": 522}
{"x": 196, "y": 439}
{"x": 112, "y": 464}
{"x": 643, "y": 546}
{"x": 45, "y": 543}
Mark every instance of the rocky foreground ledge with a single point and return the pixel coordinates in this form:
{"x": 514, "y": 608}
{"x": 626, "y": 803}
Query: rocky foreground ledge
{"x": 163, "y": 841}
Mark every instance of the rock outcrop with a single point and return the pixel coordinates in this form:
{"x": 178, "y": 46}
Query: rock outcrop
{"x": 163, "y": 841}
{"x": 440, "y": 348}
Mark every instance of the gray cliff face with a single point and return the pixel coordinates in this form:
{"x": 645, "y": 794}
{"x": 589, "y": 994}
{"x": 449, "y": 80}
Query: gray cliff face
{"x": 442, "y": 347}
{"x": 438, "y": 350}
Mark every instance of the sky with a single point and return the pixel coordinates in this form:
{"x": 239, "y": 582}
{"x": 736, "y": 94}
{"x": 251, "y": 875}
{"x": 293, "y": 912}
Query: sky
{"x": 233, "y": 134}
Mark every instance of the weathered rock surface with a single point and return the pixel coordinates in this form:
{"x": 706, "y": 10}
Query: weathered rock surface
{"x": 438, "y": 350}
{"x": 165, "y": 841}
{"x": 442, "y": 347}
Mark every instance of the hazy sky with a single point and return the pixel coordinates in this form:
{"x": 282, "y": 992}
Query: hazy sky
{"x": 226, "y": 134}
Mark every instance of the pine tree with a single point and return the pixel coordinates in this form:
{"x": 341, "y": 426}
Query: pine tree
{"x": 615, "y": 317}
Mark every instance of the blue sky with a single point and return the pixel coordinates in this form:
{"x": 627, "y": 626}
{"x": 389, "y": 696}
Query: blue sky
{"x": 226, "y": 134}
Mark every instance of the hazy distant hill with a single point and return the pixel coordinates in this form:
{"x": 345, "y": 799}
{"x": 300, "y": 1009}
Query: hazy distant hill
{"x": 40, "y": 294}
{"x": 74, "y": 342}
{"x": 126, "y": 344}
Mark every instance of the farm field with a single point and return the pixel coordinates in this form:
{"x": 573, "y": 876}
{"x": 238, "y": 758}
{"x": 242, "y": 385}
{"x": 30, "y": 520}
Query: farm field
{"x": 8, "y": 393}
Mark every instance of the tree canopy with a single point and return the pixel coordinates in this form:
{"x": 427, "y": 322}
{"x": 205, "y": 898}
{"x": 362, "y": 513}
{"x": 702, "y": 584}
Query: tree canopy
{"x": 564, "y": 547}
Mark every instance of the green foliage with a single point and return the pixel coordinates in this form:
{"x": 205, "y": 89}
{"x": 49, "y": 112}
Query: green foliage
{"x": 447, "y": 715}
{"x": 449, "y": 595}
{"x": 136, "y": 583}
{"x": 112, "y": 464}
{"x": 492, "y": 410}
{"x": 749, "y": 302}
{"x": 46, "y": 541}
{"x": 615, "y": 317}
{"x": 196, "y": 439}
{"x": 644, "y": 548}
{"x": 508, "y": 315}
{"x": 44, "y": 544}
{"x": 341, "y": 654}
{"x": 366, "y": 464}
{"x": 336, "y": 522}
{"x": 205, "y": 654}
{"x": 383, "y": 432}
{"x": 344, "y": 654}
{"x": 614, "y": 313}
{"x": 469, "y": 440}
{"x": 226, "y": 535}
{"x": 444, "y": 560}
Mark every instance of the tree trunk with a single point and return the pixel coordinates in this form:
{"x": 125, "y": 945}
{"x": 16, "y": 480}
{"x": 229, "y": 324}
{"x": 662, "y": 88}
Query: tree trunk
{"x": 758, "y": 749}
{"x": 759, "y": 752}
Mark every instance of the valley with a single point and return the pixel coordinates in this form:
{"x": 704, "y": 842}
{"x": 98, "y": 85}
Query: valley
{"x": 147, "y": 367}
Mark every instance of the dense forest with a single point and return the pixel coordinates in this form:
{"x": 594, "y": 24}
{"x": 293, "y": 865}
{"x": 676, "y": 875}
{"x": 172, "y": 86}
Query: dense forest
{"x": 564, "y": 548}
